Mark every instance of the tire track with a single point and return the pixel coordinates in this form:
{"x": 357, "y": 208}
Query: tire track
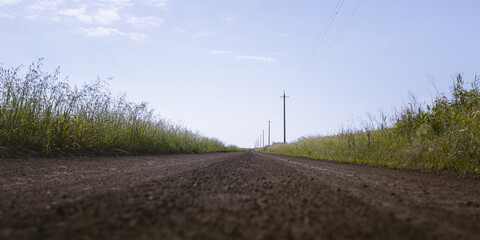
{"x": 232, "y": 196}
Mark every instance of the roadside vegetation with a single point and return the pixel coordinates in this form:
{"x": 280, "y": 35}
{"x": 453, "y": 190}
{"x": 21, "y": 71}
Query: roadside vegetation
{"x": 442, "y": 135}
{"x": 39, "y": 111}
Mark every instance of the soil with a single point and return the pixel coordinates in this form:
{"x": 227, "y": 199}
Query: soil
{"x": 244, "y": 195}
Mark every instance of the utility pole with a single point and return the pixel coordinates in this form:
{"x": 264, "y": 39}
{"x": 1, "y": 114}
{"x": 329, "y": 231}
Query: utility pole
{"x": 263, "y": 139}
{"x": 284, "y": 119}
{"x": 268, "y": 132}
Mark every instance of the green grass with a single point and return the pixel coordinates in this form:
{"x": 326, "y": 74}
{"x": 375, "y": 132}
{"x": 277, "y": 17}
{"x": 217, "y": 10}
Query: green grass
{"x": 441, "y": 135}
{"x": 39, "y": 111}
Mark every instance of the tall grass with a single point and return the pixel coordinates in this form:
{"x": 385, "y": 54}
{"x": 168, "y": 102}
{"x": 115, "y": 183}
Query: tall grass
{"x": 441, "y": 135}
{"x": 39, "y": 111}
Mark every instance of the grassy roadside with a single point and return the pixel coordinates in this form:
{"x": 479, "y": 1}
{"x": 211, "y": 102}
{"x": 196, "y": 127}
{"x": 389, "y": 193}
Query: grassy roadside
{"x": 442, "y": 135}
{"x": 38, "y": 111}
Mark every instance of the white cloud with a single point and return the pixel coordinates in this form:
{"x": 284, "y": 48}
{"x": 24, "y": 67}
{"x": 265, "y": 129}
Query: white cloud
{"x": 103, "y": 16}
{"x": 137, "y": 36}
{"x": 119, "y": 2}
{"x": 79, "y": 13}
{"x": 101, "y": 32}
{"x": 159, "y": 3}
{"x": 46, "y": 5}
{"x": 106, "y": 16}
{"x": 9, "y": 2}
{"x": 284, "y": 35}
{"x": 253, "y": 58}
{"x": 258, "y": 58}
{"x": 150, "y": 21}
{"x": 219, "y": 52}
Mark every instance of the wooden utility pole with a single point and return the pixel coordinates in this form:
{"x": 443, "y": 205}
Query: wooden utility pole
{"x": 284, "y": 119}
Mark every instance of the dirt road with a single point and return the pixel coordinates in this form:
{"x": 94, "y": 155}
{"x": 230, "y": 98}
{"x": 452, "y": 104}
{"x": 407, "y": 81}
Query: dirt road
{"x": 231, "y": 196}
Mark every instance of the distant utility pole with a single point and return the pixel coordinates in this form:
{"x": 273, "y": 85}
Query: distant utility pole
{"x": 263, "y": 137}
{"x": 268, "y": 132}
{"x": 284, "y": 119}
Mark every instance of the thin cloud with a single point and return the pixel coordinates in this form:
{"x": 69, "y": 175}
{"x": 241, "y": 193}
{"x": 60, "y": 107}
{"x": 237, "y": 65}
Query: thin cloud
{"x": 284, "y": 35}
{"x": 179, "y": 30}
{"x": 258, "y": 59}
{"x": 38, "y": 8}
{"x": 102, "y": 16}
{"x": 252, "y": 58}
{"x": 150, "y": 21}
{"x": 219, "y": 52}
{"x": 101, "y": 32}
{"x": 234, "y": 38}
{"x": 9, "y": 2}
{"x": 137, "y": 36}
{"x": 119, "y": 2}
{"x": 159, "y": 3}
{"x": 106, "y": 16}
{"x": 46, "y": 5}
{"x": 78, "y": 13}
{"x": 102, "y": 13}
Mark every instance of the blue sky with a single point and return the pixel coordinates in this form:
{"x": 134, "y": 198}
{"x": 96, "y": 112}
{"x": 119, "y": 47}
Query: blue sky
{"x": 219, "y": 66}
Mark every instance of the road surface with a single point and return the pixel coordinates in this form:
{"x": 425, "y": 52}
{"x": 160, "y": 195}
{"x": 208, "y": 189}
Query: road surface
{"x": 246, "y": 195}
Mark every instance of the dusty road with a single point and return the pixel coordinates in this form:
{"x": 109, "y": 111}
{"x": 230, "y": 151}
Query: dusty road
{"x": 231, "y": 196}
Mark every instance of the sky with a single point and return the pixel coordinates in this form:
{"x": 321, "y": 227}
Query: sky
{"x": 219, "y": 67}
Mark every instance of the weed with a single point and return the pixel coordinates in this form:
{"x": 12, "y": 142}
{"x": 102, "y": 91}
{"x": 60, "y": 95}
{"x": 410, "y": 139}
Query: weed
{"x": 37, "y": 110}
{"x": 442, "y": 135}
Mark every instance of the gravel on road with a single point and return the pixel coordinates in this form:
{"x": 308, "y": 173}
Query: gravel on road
{"x": 245, "y": 195}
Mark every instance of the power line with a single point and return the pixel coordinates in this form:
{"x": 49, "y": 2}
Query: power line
{"x": 303, "y": 67}
{"x": 321, "y": 35}
{"x": 335, "y": 39}
{"x": 308, "y": 59}
{"x": 319, "y": 39}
